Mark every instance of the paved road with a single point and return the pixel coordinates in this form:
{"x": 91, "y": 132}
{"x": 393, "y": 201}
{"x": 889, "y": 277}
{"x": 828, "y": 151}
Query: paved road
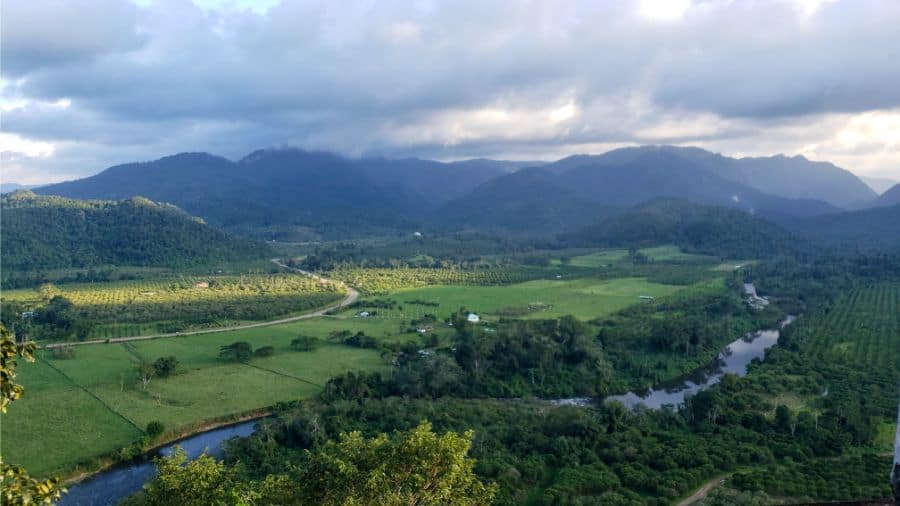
{"x": 351, "y": 297}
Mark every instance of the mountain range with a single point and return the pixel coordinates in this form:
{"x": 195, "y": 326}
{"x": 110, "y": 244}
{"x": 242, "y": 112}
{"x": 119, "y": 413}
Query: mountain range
{"x": 291, "y": 193}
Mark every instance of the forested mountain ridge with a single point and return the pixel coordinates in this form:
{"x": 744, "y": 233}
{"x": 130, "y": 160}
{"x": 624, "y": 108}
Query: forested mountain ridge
{"x": 292, "y": 193}
{"x": 789, "y": 177}
{"x": 578, "y": 190}
{"x": 877, "y": 228}
{"x": 41, "y": 232}
{"x": 695, "y": 228}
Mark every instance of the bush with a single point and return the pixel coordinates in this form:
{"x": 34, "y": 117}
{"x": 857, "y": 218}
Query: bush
{"x": 239, "y": 351}
{"x": 265, "y": 351}
{"x": 155, "y": 428}
{"x": 305, "y": 343}
{"x": 165, "y": 366}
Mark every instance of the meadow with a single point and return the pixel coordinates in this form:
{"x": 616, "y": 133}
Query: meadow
{"x": 91, "y": 405}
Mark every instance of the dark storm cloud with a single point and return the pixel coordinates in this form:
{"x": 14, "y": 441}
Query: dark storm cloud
{"x": 47, "y": 33}
{"x": 454, "y": 78}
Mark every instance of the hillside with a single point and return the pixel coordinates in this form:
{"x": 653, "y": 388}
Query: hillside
{"x": 275, "y": 191}
{"x": 787, "y": 177}
{"x": 695, "y": 228}
{"x": 576, "y": 191}
{"x": 875, "y": 228}
{"x": 529, "y": 201}
{"x": 891, "y": 197}
{"x": 436, "y": 182}
{"x": 54, "y": 232}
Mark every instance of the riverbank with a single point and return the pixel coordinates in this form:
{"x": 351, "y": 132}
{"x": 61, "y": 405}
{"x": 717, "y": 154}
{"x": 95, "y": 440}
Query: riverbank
{"x": 104, "y": 464}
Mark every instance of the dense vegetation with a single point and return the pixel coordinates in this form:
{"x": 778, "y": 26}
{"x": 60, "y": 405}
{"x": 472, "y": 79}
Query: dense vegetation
{"x": 708, "y": 230}
{"x": 53, "y": 232}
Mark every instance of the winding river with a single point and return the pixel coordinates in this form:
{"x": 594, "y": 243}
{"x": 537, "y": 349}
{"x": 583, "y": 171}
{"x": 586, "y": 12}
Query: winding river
{"x": 734, "y": 359}
{"x": 111, "y": 486}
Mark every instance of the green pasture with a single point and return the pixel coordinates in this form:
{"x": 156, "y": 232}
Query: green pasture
{"x": 668, "y": 253}
{"x": 582, "y": 298}
{"x": 91, "y": 405}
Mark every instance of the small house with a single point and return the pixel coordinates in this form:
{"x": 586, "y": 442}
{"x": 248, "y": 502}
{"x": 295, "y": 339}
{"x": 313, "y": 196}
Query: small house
{"x": 646, "y": 297}
{"x": 28, "y": 314}
{"x": 201, "y": 284}
{"x": 426, "y": 328}
{"x": 363, "y": 314}
{"x": 473, "y": 318}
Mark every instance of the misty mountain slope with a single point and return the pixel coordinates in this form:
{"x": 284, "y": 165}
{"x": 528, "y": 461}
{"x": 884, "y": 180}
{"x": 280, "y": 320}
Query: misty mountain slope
{"x": 696, "y": 228}
{"x": 528, "y": 201}
{"x": 41, "y": 232}
{"x": 787, "y": 177}
{"x": 435, "y": 182}
{"x": 891, "y": 197}
{"x": 661, "y": 173}
{"x": 875, "y": 228}
{"x": 879, "y": 184}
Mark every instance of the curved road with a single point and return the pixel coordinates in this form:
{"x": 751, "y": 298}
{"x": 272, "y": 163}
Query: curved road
{"x": 351, "y": 297}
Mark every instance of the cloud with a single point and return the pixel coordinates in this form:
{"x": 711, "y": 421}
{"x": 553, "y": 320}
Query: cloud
{"x": 106, "y": 81}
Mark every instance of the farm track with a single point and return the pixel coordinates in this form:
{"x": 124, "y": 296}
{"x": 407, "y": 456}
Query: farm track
{"x": 702, "y": 492}
{"x": 352, "y": 295}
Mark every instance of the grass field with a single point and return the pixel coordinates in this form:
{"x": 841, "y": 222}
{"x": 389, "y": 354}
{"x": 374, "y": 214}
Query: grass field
{"x": 658, "y": 254}
{"x": 91, "y": 405}
{"x": 582, "y": 298}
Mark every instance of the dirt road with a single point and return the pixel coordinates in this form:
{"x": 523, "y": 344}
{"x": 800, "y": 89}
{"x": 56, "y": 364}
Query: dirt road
{"x": 351, "y": 297}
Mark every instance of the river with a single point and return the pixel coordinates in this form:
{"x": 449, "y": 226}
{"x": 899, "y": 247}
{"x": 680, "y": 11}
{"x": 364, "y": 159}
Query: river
{"x": 734, "y": 359}
{"x": 111, "y": 486}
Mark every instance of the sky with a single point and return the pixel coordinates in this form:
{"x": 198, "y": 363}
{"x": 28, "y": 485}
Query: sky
{"x": 89, "y": 84}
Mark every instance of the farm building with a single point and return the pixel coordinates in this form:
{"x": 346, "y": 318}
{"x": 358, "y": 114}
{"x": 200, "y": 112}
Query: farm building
{"x": 426, "y": 328}
{"x": 645, "y": 297}
{"x": 29, "y": 314}
{"x": 201, "y": 284}
{"x": 473, "y": 318}
{"x": 363, "y": 314}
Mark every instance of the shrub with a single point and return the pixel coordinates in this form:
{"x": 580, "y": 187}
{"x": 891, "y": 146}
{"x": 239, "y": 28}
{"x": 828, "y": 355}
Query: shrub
{"x": 305, "y": 343}
{"x": 239, "y": 351}
{"x": 155, "y": 428}
{"x": 265, "y": 351}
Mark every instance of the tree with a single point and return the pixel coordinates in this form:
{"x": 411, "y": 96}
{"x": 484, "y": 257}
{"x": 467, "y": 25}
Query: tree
{"x": 165, "y": 366}
{"x": 239, "y": 351}
{"x": 414, "y": 467}
{"x": 155, "y": 428}
{"x": 16, "y": 486}
{"x": 264, "y": 351}
{"x": 145, "y": 372}
{"x": 305, "y": 343}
